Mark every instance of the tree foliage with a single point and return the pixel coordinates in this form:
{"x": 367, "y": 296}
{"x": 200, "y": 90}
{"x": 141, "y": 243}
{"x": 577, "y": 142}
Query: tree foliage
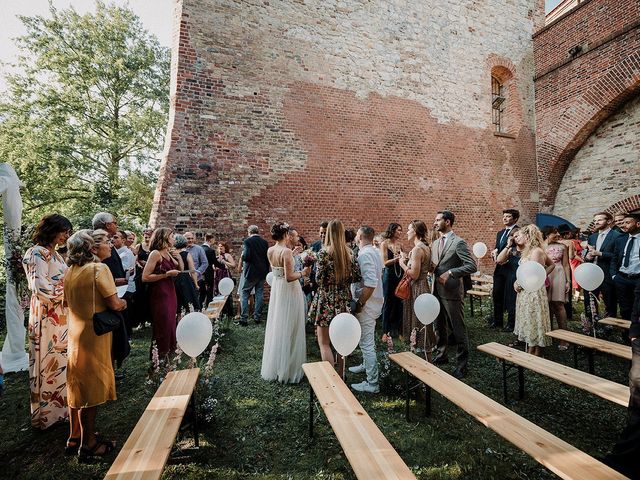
{"x": 84, "y": 117}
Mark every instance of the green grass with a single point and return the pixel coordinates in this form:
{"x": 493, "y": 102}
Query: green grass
{"x": 259, "y": 429}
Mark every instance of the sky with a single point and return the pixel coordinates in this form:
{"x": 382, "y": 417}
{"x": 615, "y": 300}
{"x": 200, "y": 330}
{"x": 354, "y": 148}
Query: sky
{"x": 156, "y": 16}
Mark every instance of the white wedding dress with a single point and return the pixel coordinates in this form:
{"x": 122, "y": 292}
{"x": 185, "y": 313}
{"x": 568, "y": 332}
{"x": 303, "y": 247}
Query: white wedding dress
{"x": 285, "y": 348}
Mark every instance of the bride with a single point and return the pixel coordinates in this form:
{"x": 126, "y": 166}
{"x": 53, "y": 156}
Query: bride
{"x": 284, "y": 342}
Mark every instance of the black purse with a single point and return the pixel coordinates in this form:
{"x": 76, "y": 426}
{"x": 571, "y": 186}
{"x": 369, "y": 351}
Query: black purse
{"x": 107, "y": 321}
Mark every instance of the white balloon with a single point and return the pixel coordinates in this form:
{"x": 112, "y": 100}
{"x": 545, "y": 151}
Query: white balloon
{"x": 270, "y": 278}
{"x": 194, "y": 333}
{"x": 531, "y": 275}
{"x": 589, "y": 276}
{"x": 479, "y": 249}
{"x": 344, "y": 332}
{"x": 427, "y": 308}
{"x": 225, "y": 287}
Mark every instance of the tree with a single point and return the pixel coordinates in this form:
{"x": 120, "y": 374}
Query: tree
{"x": 84, "y": 116}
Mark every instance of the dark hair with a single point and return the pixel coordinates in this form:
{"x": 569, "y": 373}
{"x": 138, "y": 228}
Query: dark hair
{"x": 421, "y": 230}
{"x": 367, "y": 232}
{"x": 160, "y": 238}
{"x": 225, "y": 245}
{"x": 563, "y": 228}
{"x": 279, "y": 230}
{"x": 606, "y": 215}
{"x": 391, "y": 230}
{"x": 303, "y": 242}
{"x": 635, "y": 216}
{"x": 49, "y": 227}
{"x": 548, "y": 230}
{"x": 448, "y": 215}
{"x": 324, "y": 224}
{"x": 349, "y": 235}
{"x": 513, "y": 212}
{"x": 208, "y": 236}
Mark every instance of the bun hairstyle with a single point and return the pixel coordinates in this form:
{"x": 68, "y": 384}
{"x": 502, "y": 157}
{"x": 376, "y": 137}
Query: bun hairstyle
{"x": 279, "y": 230}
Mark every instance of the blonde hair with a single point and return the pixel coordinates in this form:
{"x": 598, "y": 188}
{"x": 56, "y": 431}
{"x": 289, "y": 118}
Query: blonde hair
{"x": 80, "y": 244}
{"x": 336, "y": 246}
{"x": 535, "y": 240}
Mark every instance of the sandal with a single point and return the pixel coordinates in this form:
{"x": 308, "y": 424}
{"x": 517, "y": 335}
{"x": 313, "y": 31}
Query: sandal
{"x": 86, "y": 454}
{"x": 71, "y": 448}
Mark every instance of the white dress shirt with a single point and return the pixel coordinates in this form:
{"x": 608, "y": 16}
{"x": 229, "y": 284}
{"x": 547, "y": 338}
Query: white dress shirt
{"x": 370, "y": 262}
{"x": 634, "y": 260}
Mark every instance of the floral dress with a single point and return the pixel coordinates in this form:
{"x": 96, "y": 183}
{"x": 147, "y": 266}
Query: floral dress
{"x": 45, "y": 272}
{"x": 532, "y": 317}
{"x": 331, "y": 298}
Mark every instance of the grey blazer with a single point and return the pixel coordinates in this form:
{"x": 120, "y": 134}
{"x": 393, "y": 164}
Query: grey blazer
{"x": 457, "y": 259}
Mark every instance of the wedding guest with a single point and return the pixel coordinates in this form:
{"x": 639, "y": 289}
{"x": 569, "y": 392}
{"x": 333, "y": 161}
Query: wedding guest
{"x": 336, "y": 270}
{"x": 578, "y": 257}
{"x": 509, "y": 258}
{"x": 284, "y": 340}
{"x": 131, "y": 239}
{"x": 89, "y": 288}
{"x": 533, "y": 319}
{"x": 186, "y": 282}
{"x": 45, "y": 271}
{"x": 129, "y": 264}
{"x": 453, "y": 261}
{"x": 141, "y": 301}
{"x": 501, "y": 275}
{"x": 417, "y": 266}
{"x": 226, "y": 263}
{"x": 369, "y": 299}
{"x": 377, "y": 240}
{"x": 390, "y": 249}
{"x": 625, "y": 265}
{"x": 163, "y": 266}
{"x": 255, "y": 266}
{"x": 559, "y": 278}
{"x": 322, "y": 232}
{"x": 600, "y": 250}
{"x": 209, "y": 274}
{"x": 200, "y": 261}
{"x": 618, "y": 220}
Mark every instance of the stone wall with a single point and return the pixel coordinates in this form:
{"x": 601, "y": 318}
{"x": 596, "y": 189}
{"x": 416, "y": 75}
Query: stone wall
{"x": 605, "y": 170}
{"x": 371, "y": 112}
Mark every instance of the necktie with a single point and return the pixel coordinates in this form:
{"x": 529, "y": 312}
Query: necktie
{"x": 627, "y": 256}
{"x": 440, "y": 247}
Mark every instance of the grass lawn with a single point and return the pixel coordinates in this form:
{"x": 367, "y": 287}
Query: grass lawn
{"x": 259, "y": 429}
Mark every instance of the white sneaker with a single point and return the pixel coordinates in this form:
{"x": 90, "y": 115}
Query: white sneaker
{"x": 366, "y": 387}
{"x": 357, "y": 369}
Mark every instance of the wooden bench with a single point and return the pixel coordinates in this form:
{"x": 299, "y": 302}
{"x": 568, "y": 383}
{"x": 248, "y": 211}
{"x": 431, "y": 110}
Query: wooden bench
{"x": 370, "y": 454}
{"x": 612, "y": 391}
{"x": 590, "y": 345}
{"x": 145, "y": 453}
{"x": 214, "y": 309}
{"x": 615, "y": 322}
{"x": 482, "y": 285}
{"x": 561, "y": 458}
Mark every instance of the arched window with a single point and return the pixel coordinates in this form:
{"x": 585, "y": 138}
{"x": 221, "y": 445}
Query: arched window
{"x": 498, "y": 104}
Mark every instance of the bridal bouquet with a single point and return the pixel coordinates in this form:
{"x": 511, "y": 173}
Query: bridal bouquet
{"x": 308, "y": 258}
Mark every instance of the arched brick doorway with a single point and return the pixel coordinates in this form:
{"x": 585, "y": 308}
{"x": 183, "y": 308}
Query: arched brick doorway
{"x": 629, "y": 205}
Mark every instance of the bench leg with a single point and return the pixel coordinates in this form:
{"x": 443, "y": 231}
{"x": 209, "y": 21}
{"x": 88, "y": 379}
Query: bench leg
{"x": 471, "y": 305}
{"x": 407, "y": 392}
{"x": 504, "y": 380}
{"x": 427, "y": 400}
{"x": 575, "y": 356}
{"x": 520, "y": 382}
{"x": 196, "y": 432}
{"x": 311, "y": 399}
{"x": 592, "y": 368}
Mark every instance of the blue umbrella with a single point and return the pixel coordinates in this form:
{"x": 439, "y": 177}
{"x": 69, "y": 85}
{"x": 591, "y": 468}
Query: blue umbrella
{"x": 544, "y": 219}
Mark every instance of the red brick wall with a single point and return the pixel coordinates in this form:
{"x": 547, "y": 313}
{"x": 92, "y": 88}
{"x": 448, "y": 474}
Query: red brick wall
{"x": 575, "y": 95}
{"x": 263, "y": 128}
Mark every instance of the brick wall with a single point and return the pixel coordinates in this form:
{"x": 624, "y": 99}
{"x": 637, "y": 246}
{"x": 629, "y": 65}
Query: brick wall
{"x": 372, "y": 112}
{"x": 587, "y": 66}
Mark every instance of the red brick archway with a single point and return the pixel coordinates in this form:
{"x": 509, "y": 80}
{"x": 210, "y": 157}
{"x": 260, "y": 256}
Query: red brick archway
{"x": 629, "y": 204}
{"x": 558, "y": 146}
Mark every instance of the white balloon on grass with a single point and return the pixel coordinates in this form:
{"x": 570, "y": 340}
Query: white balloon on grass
{"x": 427, "y": 308}
{"x": 344, "y": 332}
{"x": 531, "y": 275}
{"x": 270, "y": 278}
{"x": 194, "y": 333}
{"x": 589, "y": 276}
{"x": 225, "y": 287}
{"x": 479, "y": 249}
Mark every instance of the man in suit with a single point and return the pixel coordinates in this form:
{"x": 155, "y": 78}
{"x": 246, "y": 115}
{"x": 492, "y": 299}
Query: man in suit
{"x": 600, "y": 251}
{"x": 210, "y": 254}
{"x": 625, "y": 265}
{"x": 453, "y": 261}
{"x": 255, "y": 266}
{"x": 501, "y": 289}
{"x": 200, "y": 263}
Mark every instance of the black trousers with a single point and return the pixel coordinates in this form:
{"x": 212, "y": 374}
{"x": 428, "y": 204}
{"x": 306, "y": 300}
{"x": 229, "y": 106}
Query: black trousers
{"x": 625, "y": 288}
{"x": 504, "y": 297}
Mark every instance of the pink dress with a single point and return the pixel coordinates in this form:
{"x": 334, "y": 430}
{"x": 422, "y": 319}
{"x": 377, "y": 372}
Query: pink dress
{"x": 557, "y": 278}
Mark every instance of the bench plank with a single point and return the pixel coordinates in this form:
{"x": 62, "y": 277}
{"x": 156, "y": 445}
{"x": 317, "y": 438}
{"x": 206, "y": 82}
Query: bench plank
{"x": 214, "y": 309}
{"x": 145, "y": 453}
{"x": 612, "y": 391}
{"x": 612, "y": 348}
{"x": 370, "y": 454}
{"x": 616, "y": 322}
{"x": 561, "y": 458}
{"x": 479, "y": 293}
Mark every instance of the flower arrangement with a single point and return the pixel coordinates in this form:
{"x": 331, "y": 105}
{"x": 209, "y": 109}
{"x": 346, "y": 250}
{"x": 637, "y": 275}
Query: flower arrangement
{"x": 308, "y": 257}
{"x": 17, "y": 246}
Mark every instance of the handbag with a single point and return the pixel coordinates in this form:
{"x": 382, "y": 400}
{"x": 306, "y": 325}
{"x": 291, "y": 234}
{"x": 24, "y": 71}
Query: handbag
{"x": 107, "y": 321}
{"x": 403, "y": 290}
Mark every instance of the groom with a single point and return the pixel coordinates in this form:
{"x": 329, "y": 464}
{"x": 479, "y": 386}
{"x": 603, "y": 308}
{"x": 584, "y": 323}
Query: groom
{"x": 255, "y": 266}
{"x": 369, "y": 299}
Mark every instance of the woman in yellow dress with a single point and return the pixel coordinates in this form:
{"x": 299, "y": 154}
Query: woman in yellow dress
{"x": 45, "y": 270}
{"x": 89, "y": 288}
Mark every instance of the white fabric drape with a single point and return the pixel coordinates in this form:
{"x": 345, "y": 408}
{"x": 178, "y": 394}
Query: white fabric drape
{"x": 14, "y": 356}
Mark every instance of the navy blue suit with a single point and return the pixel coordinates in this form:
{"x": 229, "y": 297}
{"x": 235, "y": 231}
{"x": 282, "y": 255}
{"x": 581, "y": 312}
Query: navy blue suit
{"x": 607, "y": 288}
{"x": 504, "y": 296}
{"x": 625, "y": 285}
